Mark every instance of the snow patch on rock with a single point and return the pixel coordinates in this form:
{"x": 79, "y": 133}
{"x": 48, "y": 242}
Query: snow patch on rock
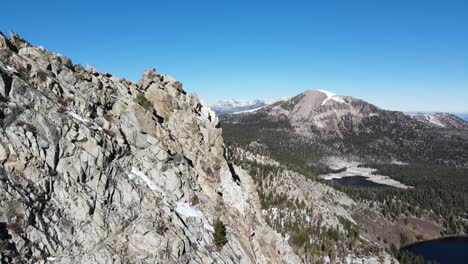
{"x": 84, "y": 120}
{"x": 8, "y": 68}
{"x": 181, "y": 208}
{"x": 78, "y": 117}
{"x": 186, "y": 210}
{"x": 433, "y": 120}
{"x": 151, "y": 184}
{"x": 331, "y": 96}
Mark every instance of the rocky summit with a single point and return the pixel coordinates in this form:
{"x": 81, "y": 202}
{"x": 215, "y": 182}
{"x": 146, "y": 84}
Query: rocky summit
{"x": 99, "y": 169}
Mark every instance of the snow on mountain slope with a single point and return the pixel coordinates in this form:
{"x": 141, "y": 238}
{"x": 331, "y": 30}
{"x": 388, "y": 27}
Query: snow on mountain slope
{"x": 319, "y": 107}
{"x": 331, "y": 96}
{"x": 433, "y": 119}
{"x": 443, "y": 120}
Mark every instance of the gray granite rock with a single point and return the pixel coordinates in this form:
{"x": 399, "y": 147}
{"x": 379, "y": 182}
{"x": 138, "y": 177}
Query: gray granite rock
{"x": 92, "y": 176}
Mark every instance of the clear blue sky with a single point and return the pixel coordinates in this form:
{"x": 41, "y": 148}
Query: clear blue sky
{"x": 404, "y": 55}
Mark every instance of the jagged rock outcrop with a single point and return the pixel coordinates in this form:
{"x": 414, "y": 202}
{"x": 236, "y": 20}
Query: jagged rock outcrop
{"x": 98, "y": 169}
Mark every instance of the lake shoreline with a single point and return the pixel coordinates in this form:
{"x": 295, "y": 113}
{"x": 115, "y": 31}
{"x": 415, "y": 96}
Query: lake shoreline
{"x": 367, "y": 173}
{"x": 353, "y": 169}
{"x": 433, "y": 239}
{"x": 445, "y": 250}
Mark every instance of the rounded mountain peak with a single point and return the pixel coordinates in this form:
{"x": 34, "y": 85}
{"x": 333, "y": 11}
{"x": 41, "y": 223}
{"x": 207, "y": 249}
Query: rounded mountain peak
{"x": 317, "y": 98}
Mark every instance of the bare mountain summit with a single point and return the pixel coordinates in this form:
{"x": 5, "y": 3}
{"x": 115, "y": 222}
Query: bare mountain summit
{"x": 316, "y": 124}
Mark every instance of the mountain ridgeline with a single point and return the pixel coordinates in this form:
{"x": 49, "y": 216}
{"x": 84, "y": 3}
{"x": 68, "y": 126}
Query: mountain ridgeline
{"x": 316, "y": 131}
{"x": 99, "y": 169}
{"x": 317, "y": 124}
{"x": 233, "y": 106}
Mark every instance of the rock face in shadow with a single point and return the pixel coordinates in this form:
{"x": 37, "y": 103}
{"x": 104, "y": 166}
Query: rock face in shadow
{"x": 98, "y": 169}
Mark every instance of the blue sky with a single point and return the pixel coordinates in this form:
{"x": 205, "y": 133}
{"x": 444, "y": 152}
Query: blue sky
{"x": 401, "y": 55}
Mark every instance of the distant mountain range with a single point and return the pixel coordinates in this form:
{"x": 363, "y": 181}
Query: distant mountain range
{"x": 317, "y": 123}
{"x": 237, "y": 106}
{"x": 233, "y": 105}
{"x": 99, "y": 169}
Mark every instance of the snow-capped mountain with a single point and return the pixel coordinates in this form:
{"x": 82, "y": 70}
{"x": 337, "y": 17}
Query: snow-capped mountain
{"x": 318, "y": 123}
{"x": 233, "y": 105}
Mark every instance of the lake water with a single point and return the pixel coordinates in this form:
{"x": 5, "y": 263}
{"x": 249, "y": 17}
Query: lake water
{"x": 452, "y": 250}
{"x": 359, "y": 181}
{"x": 463, "y": 116}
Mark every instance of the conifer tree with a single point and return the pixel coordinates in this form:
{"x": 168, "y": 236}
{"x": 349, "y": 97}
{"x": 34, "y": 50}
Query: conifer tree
{"x": 219, "y": 235}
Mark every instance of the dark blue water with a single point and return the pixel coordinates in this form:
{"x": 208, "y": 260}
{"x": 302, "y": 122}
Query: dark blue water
{"x": 463, "y": 116}
{"x": 359, "y": 181}
{"x": 452, "y": 250}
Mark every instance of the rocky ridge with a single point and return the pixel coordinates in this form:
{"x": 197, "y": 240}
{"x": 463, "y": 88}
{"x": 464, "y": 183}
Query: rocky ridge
{"x": 98, "y": 169}
{"x": 444, "y": 120}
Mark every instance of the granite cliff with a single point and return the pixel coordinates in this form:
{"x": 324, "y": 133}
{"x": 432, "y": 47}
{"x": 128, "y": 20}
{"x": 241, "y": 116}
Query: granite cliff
{"x": 99, "y": 169}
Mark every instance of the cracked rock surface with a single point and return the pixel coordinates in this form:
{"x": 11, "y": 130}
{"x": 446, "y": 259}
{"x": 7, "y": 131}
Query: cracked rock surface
{"x": 98, "y": 169}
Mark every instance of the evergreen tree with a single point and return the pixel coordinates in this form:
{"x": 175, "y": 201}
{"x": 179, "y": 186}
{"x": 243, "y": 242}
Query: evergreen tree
{"x": 219, "y": 235}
